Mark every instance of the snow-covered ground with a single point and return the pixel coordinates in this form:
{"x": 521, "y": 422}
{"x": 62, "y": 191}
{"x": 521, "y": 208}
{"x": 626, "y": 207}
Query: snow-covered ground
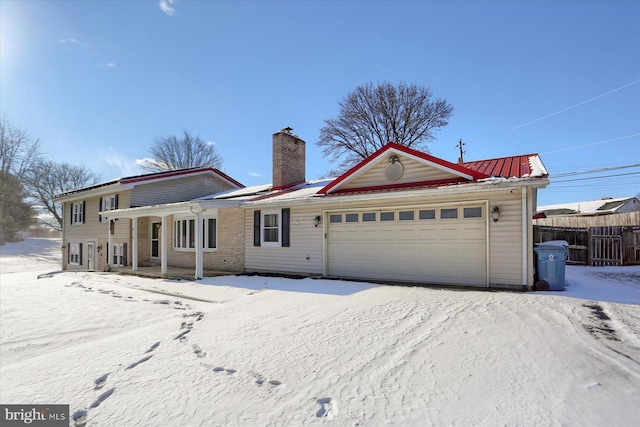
{"x": 264, "y": 351}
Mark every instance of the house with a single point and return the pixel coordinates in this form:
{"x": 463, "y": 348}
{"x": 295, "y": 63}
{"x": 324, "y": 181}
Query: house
{"x": 399, "y": 215}
{"x": 95, "y": 239}
{"x": 603, "y": 206}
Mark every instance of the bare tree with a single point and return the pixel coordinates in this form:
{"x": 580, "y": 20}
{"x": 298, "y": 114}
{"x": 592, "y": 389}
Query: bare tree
{"x": 175, "y": 152}
{"x": 372, "y": 116}
{"x": 48, "y": 179}
{"x": 18, "y": 151}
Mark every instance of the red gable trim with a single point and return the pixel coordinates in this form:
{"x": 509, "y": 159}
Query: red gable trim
{"x": 475, "y": 175}
{"x": 170, "y": 174}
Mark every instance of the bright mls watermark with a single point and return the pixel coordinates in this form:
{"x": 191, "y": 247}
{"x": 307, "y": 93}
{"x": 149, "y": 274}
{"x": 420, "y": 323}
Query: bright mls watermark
{"x": 34, "y": 415}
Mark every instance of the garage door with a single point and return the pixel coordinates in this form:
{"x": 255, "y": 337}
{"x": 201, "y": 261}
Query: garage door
{"x": 426, "y": 244}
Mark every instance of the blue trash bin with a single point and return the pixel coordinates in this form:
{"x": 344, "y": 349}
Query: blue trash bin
{"x": 552, "y": 259}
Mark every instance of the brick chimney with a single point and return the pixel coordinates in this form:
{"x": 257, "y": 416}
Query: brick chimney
{"x": 288, "y": 159}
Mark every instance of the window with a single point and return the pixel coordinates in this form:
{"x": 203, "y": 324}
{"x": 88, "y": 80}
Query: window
{"x": 75, "y": 253}
{"x": 272, "y": 228}
{"x": 77, "y": 212}
{"x": 449, "y": 213}
{"x": 210, "y": 233}
{"x": 108, "y": 203}
{"x": 369, "y": 216}
{"x": 119, "y": 255}
{"x": 387, "y": 216}
{"x": 184, "y": 233}
{"x": 427, "y": 214}
{"x": 472, "y": 212}
{"x": 406, "y": 215}
{"x": 333, "y": 218}
{"x": 352, "y": 217}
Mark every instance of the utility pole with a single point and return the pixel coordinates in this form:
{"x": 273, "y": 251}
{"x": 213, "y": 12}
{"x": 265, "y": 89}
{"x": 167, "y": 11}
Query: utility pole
{"x": 462, "y": 152}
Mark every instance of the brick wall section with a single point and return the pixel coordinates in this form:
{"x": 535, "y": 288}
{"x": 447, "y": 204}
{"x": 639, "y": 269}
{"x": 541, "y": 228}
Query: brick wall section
{"x": 230, "y": 253}
{"x": 288, "y": 159}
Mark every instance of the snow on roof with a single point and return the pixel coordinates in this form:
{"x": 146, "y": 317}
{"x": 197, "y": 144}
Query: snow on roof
{"x": 522, "y": 166}
{"x": 301, "y": 191}
{"x": 601, "y": 206}
{"x": 240, "y": 193}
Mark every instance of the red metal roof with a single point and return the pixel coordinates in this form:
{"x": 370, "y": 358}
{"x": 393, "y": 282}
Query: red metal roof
{"x": 504, "y": 167}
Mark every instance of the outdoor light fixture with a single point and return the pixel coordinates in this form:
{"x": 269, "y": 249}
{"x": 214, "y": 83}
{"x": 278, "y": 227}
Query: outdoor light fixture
{"x": 316, "y": 220}
{"x": 495, "y": 214}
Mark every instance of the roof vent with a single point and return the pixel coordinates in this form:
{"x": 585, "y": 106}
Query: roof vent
{"x": 394, "y": 168}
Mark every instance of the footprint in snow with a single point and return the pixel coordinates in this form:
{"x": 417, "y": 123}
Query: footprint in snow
{"x": 134, "y": 364}
{"x": 102, "y": 398}
{"x": 153, "y": 347}
{"x": 328, "y": 408}
{"x": 79, "y": 418}
{"x": 198, "y": 351}
{"x": 181, "y": 336}
{"x": 100, "y": 382}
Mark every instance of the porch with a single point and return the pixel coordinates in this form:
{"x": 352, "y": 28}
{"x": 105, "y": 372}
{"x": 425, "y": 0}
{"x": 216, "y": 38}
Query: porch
{"x": 175, "y": 273}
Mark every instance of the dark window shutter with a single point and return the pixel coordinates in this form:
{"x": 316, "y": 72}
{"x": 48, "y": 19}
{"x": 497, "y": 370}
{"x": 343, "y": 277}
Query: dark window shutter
{"x": 68, "y": 252}
{"x": 286, "y": 215}
{"x": 84, "y": 209}
{"x": 256, "y": 228}
{"x": 80, "y": 253}
{"x": 108, "y": 262}
{"x": 124, "y": 254}
{"x": 71, "y": 213}
{"x": 117, "y": 201}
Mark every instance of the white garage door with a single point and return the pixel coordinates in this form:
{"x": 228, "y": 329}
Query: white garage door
{"x": 426, "y": 244}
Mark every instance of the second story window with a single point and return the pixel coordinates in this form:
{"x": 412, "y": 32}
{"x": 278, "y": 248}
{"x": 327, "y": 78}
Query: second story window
{"x": 108, "y": 203}
{"x": 77, "y": 213}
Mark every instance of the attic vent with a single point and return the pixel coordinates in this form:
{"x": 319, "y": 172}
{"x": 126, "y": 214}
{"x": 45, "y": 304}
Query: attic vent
{"x": 394, "y": 168}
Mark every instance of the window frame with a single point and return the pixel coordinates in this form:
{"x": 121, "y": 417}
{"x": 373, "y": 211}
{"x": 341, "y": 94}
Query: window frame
{"x": 264, "y": 227}
{"x": 74, "y": 253}
{"x": 184, "y": 229}
{"x": 77, "y": 213}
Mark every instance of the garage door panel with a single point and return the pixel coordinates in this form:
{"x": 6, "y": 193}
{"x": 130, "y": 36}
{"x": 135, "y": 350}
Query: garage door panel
{"x": 437, "y": 251}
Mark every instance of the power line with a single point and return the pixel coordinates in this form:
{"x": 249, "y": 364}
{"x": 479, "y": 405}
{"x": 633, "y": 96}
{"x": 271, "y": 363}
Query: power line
{"x": 599, "y": 177}
{"x": 576, "y": 105}
{"x": 594, "y": 143}
{"x": 595, "y": 170}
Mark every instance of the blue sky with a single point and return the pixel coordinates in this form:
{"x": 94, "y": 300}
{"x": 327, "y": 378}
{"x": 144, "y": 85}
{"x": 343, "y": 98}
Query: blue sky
{"x": 97, "y": 81}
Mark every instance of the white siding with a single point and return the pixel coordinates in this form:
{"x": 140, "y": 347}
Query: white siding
{"x": 414, "y": 171}
{"x": 304, "y": 256}
{"x": 505, "y": 236}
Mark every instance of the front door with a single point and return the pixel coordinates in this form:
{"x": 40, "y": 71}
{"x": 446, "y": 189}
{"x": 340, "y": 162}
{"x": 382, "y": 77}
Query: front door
{"x": 91, "y": 256}
{"x": 155, "y": 240}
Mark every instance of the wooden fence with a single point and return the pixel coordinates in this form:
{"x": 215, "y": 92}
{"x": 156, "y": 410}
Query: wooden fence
{"x": 620, "y": 219}
{"x": 597, "y": 246}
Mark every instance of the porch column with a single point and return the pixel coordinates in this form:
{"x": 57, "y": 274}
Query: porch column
{"x": 163, "y": 245}
{"x": 134, "y": 243}
{"x": 110, "y": 244}
{"x": 199, "y": 250}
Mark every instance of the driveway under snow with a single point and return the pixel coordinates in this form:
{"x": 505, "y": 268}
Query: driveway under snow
{"x": 129, "y": 351}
